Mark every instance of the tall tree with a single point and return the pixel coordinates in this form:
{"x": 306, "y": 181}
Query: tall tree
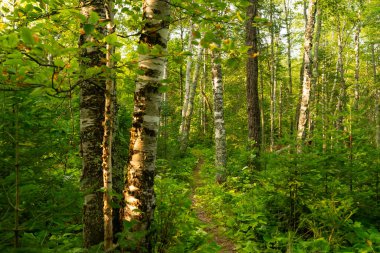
{"x": 92, "y": 104}
{"x": 252, "y": 70}
{"x": 187, "y": 115}
{"x": 108, "y": 127}
{"x": 357, "y": 64}
{"x": 187, "y": 82}
{"x": 288, "y": 25}
{"x": 307, "y": 73}
{"x": 138, "y": 191}
{"x": 220, "y": 131}
{"x": 340, "y": 73}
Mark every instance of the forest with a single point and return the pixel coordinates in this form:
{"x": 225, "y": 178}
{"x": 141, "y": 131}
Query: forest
{"x": 169, "y": 126}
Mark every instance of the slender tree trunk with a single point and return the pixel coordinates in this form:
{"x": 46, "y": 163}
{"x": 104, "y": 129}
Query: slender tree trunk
{"x": 187, "y": 81}
{"x": 377, "y": 96}
{"x": 203, "y": 95}
{"x": 357, "y": 64}
{"x": 17, "y": 183}
{"x": 164, "y": 115}
{"x": 289, "y": 61}
{"x": 139, "y": 191}
{"x": 262, "y": 115}
{"x": 343, "y": 93}
{"x": 220, "y": 132}
{"x": 190, "y": 105}
{"x": 304, "y": 106}
{"x": 315, "y": 77}
{"x": 272, "y": 78}
{"x": 92, "y": 104}
{"x": 108, "y": 125}
{"x": 252, "y": 70}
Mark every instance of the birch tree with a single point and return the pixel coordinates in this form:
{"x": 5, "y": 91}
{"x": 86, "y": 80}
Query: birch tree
{"x": 220, "y": 131}
{"x": 92, "y": 104}
{"x": 108, "y": 128}
{"x": 138, "y": 191}
{"x": 307, "y": 73}
{"x": 187, "y": 115}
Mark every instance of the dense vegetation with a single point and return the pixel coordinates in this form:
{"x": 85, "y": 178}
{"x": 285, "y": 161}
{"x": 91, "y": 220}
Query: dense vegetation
{"x": 318, "y": 192}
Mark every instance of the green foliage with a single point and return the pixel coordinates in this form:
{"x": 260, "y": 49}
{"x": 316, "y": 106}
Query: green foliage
{"x": 176, "y": 227}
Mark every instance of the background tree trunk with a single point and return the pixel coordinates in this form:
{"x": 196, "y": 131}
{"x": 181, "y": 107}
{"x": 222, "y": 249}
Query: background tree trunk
{"x": 108, "y": 126}
{"x": 187, "y": 80}
{"x": 304, "y": 106}
{"x": 357, "y": 65}
{"x": 289, "y": 62}
{"x": 220, "y": 132}
{"x": 252, "y": 69}
{"x": 186, "y": 120}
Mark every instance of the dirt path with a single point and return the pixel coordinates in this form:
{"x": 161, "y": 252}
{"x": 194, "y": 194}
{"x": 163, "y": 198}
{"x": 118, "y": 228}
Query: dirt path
{"x": 226, "y": 244}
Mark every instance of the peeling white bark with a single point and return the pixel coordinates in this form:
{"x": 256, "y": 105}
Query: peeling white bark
{"x": 138, "y": 191}
{"x": 307, "y": 74}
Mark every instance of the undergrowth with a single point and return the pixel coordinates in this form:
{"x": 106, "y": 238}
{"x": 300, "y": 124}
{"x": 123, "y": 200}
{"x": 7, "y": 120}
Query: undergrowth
{"x": 291, "y": 205}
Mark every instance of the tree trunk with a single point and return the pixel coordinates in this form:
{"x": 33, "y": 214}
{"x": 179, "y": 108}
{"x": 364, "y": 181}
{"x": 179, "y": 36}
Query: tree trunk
{"x": 92, "y": 104}
{"x": 252, "y": 69}
{"x": 220, "y": 132}
{"x": 315, "y": 75}
{"x": 108, "y": 126}
{"x": 377, "y": 97}
{"x": 186, "y": 120}
{"x": 138, "y": 191}
{"x": 204, "y": 121}
{"x": 343, "y": 93}
{"x": 187, "y": 81}
{"x": 289, "y": 60}
{"x": 272, "y": 79}
{"x": 357, "y": 64}
{"x": 304, "y": 106}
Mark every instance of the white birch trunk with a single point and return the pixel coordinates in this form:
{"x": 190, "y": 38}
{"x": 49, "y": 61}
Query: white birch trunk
{"x": 357, "y": 64}
{"x": 186, "y": 120}
{"x": 139, "y": 186}
{"x": 220, "y": 132}
{"x": 307, "y": 74}
{"x": 108, "y": 126}
{"x": 92, "y": 103}
{"x": 187, "y": 79}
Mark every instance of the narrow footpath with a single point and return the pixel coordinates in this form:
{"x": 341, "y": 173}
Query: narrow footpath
{"x": 225, "y": 243}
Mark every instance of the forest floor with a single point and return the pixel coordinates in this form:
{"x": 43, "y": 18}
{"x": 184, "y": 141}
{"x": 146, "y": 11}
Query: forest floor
{"x": 227, "y": 246}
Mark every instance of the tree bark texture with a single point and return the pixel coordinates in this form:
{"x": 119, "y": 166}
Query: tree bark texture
{"x": 190, "y": 104}
{"x": 273, "y": 81}
{"x": 92, "y": 103}
{"x": 377, "y": 96}
{"x": 342, "y": 98}
{"x": 315, "y": 76}
{"x": 108, "y": 128}
{"x": 252, "y": 70}
{"x": 187, "y": 80}
{"x": 304, "y": 105}
{"x": 138, "y": 191}
{"x": 357, "y": 65}
{"x": 289, "y": 61}
{"x": 220, "y": 132}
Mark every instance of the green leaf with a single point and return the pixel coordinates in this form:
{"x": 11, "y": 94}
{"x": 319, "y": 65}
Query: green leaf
{"x": 94, "y": 17}
{"x": 111, "y": 39}
{"x": 163, "y": 88}
{"x": 12, "y": 40}
{"x": 143, "y": 48}
{"x": 27, "y": 36}
{"x": 88, "y": 28}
